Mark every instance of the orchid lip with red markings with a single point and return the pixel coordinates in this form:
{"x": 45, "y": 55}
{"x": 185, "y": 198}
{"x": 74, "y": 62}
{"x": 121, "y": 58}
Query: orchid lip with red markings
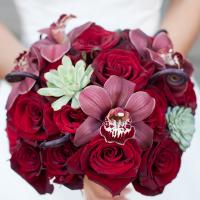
{"x": 115, "y": 112}
{"x": 117, "y": 126}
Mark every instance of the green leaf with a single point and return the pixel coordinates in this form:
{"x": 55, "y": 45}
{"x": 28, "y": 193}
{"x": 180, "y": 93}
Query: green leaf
{"x": 54, "y": 79}
{"x": 58, "y": 104}
{"x": 75, "y": 102}
{"x": 80, "y": 70}
{"x": 66, "y": 61}
{"x": 55, "y": 92}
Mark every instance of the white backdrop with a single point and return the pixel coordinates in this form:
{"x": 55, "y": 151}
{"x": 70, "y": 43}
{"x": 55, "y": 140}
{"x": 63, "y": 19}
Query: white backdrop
{"x": 186, "y": 186}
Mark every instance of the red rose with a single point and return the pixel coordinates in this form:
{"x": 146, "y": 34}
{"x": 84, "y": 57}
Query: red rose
{"x": 159, "y": 166}
{"x": 68, "y": 119}
{"x": 12, "y": 135}
{"x": 186, "y": 97}
{"x": 124, "y": 42}
{"x": 157, "y": 119}
{"x": 95, "y": 37}
{"x": 122, "y": 63}
{"x": 55, "y": 161}
{"x": 48, "y": 121}
{"x": 26, "y": 161}
{"x": 109, "y": 164}
{"x": 29, "y": 118}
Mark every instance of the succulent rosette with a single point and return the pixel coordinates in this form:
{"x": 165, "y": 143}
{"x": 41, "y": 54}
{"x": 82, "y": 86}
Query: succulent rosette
{"x": 117, "y": 107}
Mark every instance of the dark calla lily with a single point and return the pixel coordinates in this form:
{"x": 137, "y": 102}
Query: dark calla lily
{"x": 55, "y": 143}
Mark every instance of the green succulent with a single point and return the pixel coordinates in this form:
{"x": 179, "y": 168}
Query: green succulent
{"x": 181, "y": 124}
{"x": 67, "y": 82}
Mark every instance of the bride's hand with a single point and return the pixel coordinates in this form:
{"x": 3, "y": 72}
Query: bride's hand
{"x": 93, "y": 191}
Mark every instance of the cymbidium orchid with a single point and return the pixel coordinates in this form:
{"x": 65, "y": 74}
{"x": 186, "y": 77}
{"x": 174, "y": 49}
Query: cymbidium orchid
{"x": 170, "y": 64}
{"x": 23, "y": 77}
{"x": 160, "y": 50}
{"x": 115, "y": 112}
{"x": 58, "y": 43}
{"x": 67, "y": 82}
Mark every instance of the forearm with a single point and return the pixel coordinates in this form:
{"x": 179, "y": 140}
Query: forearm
{"x": 10, "y": 48}
{"x": 182, "y": 21}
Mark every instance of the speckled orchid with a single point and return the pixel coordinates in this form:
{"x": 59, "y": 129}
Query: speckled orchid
{"x": 58, "y": 43}
{"x": 23, "y": 77}
{"x": 116, "y": 113}
{"x": 180, "y": 121}
{"x": 159, "y": 49}
{"x": 67, "y": 82}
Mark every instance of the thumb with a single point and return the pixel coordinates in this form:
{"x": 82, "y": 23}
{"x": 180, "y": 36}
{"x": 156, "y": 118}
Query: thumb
{"x": 94, "y": 191}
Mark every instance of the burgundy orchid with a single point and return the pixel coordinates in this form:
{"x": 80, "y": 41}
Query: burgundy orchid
{"x": 159, "y": 49}
{"x": 58, "y": 43}
{"x": 24, "y": 77}
{"x": 116, "y": 113}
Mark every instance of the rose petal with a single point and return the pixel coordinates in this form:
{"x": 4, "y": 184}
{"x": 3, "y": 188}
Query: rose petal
{"x": 54, "y": 52}
{"x": 139, "y": 40}
{"x": 119, "y": 90}
{"x": 86, "y": 131}
{"x": 143, "y": 135}
{"x": 162, "y": 41}
{"x": 140, "y": 105}
{"x": 95, "y": 102}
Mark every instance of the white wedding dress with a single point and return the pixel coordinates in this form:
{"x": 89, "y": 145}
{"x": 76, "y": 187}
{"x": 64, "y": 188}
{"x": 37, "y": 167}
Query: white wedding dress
{"x": 112, "y": 14}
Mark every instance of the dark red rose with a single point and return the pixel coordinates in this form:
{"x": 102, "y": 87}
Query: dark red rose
{"x": 12, "y": 135}
{"x": 47, "y": 68}
{"x": 159, "y": 166}
{"x": 185, "y": 98}
{"x": 95, "y": 38}
{"x": 68, "y": 119}
{"x": 122, "y": 63}
{"x": 124, "y": 42}
{"x": 26, "y": 161}
{"x": 55, "y": 161}
{"x": 48, "y": 121}
{"x": 109, "y": 164}
{"x": 157, "y": 119}
{"x": 27, "y": 116}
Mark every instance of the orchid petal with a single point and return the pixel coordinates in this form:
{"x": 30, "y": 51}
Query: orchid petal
{"x": 45, "y": 31}
{"x": 119, "y": 90}
{"x": 162, "y": 41}
{"x": 54, "y": 52}
{"x": 139, "y": 40}
{"x": 72, "y": 35}
{"x": 87, "y": 130}
{"x": 143, "y": 134}
{"x": 140, "y": 105}
{"x": 155, "y": 57}
{"x": 95, "y": 101}
{"x": 19, "y": 88}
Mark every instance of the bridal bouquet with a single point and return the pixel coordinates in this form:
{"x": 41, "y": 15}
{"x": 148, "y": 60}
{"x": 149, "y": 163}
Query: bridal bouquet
{"x": 117, "y": 107}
